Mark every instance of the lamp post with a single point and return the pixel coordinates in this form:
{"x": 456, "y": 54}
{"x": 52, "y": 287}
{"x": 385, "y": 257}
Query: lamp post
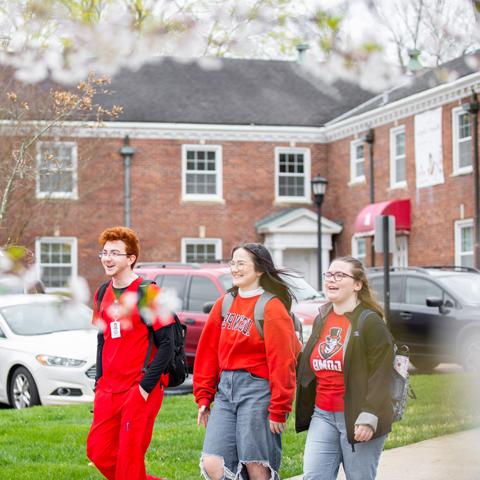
{"x": 127, "y": 153}
{"x": 370, "y": 139}
{"x": 319, "y": 187}
{"x": 473, "y": 108}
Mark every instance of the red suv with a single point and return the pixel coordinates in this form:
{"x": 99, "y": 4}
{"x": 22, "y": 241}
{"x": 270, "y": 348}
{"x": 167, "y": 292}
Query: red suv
{"x": 199, "y": 285}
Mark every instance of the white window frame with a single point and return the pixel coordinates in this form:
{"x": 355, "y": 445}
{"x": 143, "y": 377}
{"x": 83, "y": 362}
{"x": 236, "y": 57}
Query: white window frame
{"x": 355, "y": 249}
{"x": 74, "y": 193}
{"x": 459, "y": 226}
{"x": 354, "y": 161}
{"x": 457, "y": 170}
{"x": 74, "y": 257}
{"x": 200, "y": 197}
{"x": 201, "y": 241}
{"x": 307, "y": 197}
{"x": 394, "y": 183}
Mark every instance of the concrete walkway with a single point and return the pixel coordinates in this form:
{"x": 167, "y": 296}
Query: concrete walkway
{"x": 451, "y": 457}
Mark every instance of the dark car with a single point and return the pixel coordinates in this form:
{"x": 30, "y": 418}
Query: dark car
{"x": 199, "y": 285}
{"x": 436, "y": 312}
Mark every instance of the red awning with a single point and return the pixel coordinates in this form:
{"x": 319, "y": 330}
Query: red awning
{"x": 400, "y": 209}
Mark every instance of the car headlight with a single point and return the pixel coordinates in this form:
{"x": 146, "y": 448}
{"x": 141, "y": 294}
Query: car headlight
{"x": 51, "y": 361}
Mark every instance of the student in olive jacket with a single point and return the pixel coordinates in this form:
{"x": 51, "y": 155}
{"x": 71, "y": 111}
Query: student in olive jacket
{"x": 343, "y": 395}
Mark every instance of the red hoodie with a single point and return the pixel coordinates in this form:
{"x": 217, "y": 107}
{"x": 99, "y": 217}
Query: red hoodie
{"x": 235, "y": 344}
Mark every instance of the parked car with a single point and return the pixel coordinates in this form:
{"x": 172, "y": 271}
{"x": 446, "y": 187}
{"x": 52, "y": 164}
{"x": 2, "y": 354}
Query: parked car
{"x": 436, "y": 312}
{"x": 199, "y": 285}
{"x": 47, "y": 351}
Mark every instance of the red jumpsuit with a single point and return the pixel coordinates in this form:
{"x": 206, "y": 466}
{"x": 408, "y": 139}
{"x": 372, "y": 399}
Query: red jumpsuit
{"x": 122, "y": 420}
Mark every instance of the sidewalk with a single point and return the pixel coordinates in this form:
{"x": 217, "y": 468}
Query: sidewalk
{"x": 451, "y": 457}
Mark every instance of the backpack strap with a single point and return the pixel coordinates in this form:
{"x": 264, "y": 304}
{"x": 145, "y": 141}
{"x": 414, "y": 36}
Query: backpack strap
{"x": 101, "y": 293}
{"x": 361, "y": 319}
{"x": 226, "y": 304}
{"x": 259, "y": 310}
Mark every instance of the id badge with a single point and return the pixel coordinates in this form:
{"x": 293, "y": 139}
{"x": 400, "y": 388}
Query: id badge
{"x": 115, "y": 329}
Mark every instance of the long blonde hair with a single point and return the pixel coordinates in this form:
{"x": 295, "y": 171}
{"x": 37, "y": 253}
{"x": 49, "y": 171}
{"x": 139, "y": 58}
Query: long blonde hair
{"x": 365, "y": 295}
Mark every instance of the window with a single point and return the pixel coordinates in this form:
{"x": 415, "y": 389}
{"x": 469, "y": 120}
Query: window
{"x": 201, "y": 250}
{"x": 359, "y": 248}
{"x": 357, "y": 161}
{"x": 462, "y": 141}
{"x": 292, "y": 174}
{"x": 202, "y": 290}
{"x": 464, "y": 243}
{"x": 395, "y": 288}
{"x": 417, "y": 290}
{"x": 398, "y": 172}
{"x": 202, "y": 172}
{"x": 56, "y": 260}
{"x": 56, "y": 170}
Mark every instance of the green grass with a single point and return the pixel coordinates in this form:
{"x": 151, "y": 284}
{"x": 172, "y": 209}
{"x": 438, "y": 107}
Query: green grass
{"x": 49, "y": 442}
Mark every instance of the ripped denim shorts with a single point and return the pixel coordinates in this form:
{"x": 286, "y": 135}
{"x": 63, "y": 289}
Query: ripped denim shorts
{"x": 238, "y": 429}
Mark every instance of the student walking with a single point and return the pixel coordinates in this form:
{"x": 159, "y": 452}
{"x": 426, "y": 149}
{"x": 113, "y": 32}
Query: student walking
{"x": 343, "y": 395}
{"x": 127, "y": 396}
{"x": 250, "y": 377}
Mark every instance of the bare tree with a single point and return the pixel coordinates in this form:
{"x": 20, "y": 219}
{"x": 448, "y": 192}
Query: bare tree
{"x": 29, "y": 115}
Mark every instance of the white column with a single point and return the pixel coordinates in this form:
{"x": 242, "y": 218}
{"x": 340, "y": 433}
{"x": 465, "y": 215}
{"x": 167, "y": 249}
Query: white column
{"x": 277, "y": 254}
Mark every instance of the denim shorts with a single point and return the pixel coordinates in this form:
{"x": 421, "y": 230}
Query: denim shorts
{"x": 238, "y": 429}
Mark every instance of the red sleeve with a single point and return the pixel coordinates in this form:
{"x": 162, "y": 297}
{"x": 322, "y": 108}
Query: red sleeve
{"x": 206, "y": 369}
{"x": 282, "y": 348}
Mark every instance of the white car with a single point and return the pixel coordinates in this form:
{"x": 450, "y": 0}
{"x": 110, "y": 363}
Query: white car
{"x": 47, "y": 351}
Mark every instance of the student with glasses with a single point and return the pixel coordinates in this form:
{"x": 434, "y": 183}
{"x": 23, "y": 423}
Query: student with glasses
{"x": 249, "y": 378}
{"x": 130, "y": 374}
{"x": 343, "y": 395}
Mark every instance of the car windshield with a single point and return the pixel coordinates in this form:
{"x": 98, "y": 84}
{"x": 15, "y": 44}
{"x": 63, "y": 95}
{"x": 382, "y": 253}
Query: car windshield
{"x": 466, "y": 286}
{"x": 303, "y": 290}
{"x": 226, "y": 281}
{"x": 43, "y": 318}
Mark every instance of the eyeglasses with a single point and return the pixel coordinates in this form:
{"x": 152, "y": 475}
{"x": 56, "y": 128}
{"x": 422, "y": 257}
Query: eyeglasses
{"x": 113, "y": 254}
{"x": 337, "y": 276}
{"x": 239, "y": 265}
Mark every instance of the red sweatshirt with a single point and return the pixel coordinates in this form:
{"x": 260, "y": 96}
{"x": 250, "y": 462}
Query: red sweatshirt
{"x": 235, "y": 344}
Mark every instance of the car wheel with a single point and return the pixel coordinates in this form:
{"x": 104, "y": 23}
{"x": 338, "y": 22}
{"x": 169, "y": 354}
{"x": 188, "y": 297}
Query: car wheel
{"x": 23, "y": 391}
{"x": 470, "y": 354}
{"x": 424, "y": 364}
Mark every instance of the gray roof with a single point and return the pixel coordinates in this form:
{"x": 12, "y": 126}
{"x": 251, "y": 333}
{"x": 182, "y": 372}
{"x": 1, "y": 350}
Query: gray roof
{"x": 241, "y": 92}
{"x": 423, "y": 80}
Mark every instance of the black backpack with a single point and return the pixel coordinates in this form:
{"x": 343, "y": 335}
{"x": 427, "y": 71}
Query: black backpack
{"x": 259, "y": 313}
{"x": 177, "y": 370}
{"x": 400, "y": 388}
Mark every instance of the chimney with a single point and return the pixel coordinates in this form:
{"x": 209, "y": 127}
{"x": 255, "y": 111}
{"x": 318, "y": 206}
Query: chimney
{"x": 302, "y": 52}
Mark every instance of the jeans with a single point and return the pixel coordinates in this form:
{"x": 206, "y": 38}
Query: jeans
{"x": 327, "y": 447}
{"x": 238, "y": 429}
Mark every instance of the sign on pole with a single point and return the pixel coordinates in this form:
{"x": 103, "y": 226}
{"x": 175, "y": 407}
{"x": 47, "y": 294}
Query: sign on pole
{"x": 378, "y": 239}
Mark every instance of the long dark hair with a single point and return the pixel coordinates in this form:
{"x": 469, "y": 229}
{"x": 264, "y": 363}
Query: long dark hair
{"x": 270, "y": 281}
{"x": 365, "y": 295}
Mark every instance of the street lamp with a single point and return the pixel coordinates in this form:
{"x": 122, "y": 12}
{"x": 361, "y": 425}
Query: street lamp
{"x": 370, "y": 139}
{"x": 319, "y": 187}
{"x": 127, "y": 153}
{"x": 473, "y": 108}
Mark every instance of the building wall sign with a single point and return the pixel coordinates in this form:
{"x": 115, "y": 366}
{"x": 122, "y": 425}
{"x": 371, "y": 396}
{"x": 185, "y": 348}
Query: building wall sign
{"x": 428, "y": 148}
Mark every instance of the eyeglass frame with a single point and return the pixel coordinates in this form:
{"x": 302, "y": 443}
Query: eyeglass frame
{"x": 113, "y": 254}
{"x": 329, "y": 276}
{"x": 240, "y": 265}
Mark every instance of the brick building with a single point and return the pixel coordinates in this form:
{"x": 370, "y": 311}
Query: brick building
{"x": 222, "y": 156}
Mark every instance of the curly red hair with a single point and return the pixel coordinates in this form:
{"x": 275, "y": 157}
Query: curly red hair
{"x": 124, "y": 234}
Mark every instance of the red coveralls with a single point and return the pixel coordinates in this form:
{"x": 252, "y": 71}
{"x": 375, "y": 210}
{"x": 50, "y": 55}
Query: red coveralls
{"x": 122, "y": 421}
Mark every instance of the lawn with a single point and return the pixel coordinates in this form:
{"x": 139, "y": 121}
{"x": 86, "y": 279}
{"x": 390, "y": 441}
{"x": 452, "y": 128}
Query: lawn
{"x": 49, "y": 442}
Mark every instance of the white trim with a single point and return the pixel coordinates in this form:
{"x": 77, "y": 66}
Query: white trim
{"x": 354, "y": 161}
{"x": 201, "y": 241}
{"x": 306, "y": 176}
{"x": 459, "y": 226}
{"x": 403, "y": 108}
{"x": 198, "y": 197}
{"x": 456, "y": 170}
{"x": 73, "y": 195}
{"x": 73, "y": 254}
{"x": 176, "y": 131}
{"x": 393, "y": 158}
{"x": 355, "y": 249}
